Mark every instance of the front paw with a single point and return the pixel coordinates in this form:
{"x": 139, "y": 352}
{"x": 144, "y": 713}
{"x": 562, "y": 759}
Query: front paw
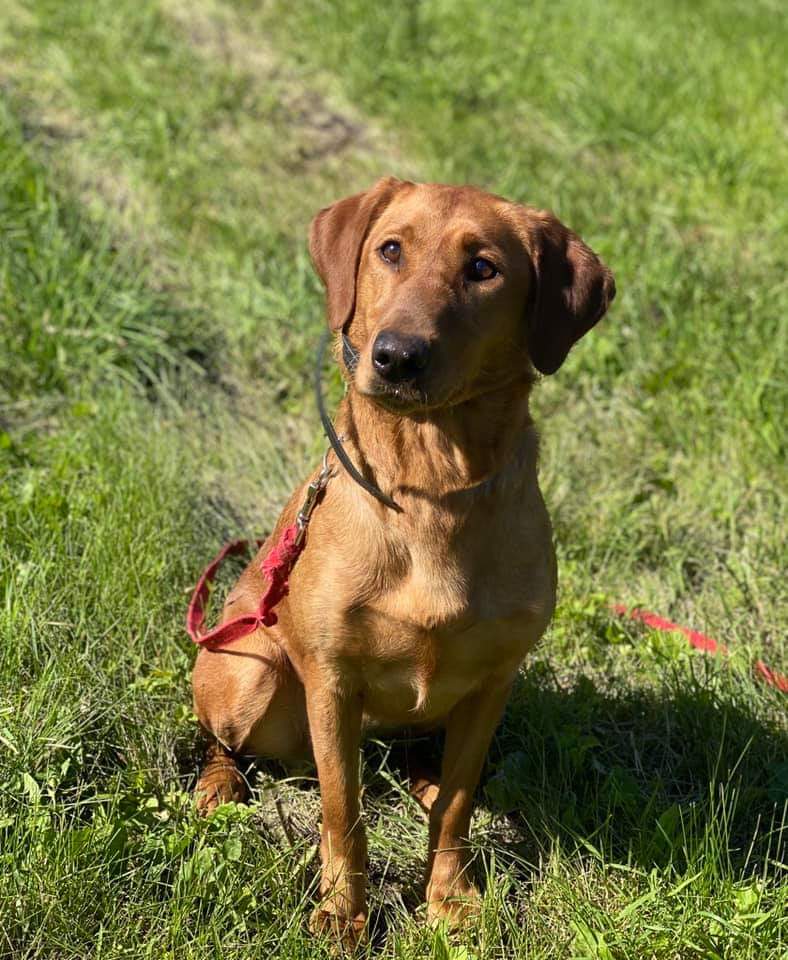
{"x": 331, "y": 919}
{"x": 453, "y": 903}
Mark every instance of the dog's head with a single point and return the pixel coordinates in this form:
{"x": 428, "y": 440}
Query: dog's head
{"x": 448, "y": 292}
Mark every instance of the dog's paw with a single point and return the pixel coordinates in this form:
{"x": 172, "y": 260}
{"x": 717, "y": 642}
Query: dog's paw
{"x": 347, "y": 931}
{"x": 453, "y": 905}
{"x": 221, "y": 782}
{"x": 424, "y": 788}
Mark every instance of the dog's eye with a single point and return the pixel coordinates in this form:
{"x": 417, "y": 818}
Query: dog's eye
{"x": 480, "y": 269}
{"x": 391, "y": 251}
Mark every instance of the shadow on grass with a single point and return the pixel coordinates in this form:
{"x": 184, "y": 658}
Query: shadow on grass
{"x": 679, "y": 776}
{"x": 647, "y": 777}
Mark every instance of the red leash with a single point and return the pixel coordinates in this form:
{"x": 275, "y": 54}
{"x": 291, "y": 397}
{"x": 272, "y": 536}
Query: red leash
{"x": 276, "y": 567}
{"x": 281, "y": 559}
{"x": 700, "y": 642}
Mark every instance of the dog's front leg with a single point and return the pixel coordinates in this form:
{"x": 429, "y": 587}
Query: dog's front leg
{"x": 335, "y": 728}
{"x": 451, "y": 894}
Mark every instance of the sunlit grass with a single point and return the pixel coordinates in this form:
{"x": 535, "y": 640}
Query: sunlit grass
{"x": 159, "y": 163}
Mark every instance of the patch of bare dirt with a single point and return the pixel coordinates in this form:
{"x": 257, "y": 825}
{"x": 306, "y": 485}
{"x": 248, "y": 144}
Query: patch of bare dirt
{"x": 321, "y": 128}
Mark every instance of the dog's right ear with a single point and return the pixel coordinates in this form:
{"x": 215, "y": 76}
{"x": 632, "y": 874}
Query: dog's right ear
{"x": 336, "y": 237}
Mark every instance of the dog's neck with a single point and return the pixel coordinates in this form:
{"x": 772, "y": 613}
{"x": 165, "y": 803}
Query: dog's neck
{"x": 458, "y": 450}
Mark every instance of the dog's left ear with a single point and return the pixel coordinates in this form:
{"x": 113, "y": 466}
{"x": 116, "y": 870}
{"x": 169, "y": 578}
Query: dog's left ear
{"x": 573, "y": 290}
{"x": 336, "y": 237}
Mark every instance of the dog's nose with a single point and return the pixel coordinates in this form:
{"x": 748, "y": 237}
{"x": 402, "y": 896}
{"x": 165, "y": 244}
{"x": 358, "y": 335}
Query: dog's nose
{"x": 398, "y": 357}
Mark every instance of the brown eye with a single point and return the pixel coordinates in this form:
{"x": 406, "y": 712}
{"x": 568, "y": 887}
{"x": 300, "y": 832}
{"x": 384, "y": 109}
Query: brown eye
{"x": 480, "y": 269}
{"x": 391, "y": 251}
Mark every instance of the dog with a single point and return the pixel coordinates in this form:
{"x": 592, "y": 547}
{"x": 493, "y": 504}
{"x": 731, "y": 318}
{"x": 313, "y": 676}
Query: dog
{"x": 450, "y": 300}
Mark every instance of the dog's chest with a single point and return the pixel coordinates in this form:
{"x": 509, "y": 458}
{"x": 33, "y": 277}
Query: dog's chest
{"x": 443, "y": 623}
{"x": 431, "y": 590}
{"x": 422, "y": 675}
{"x": 449, "y": 578}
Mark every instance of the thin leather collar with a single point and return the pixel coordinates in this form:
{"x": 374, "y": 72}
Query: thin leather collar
{"x": 350, "y": 358}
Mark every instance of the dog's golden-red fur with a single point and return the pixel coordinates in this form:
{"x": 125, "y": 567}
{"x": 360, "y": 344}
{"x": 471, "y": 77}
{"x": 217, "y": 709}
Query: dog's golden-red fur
{"x": 422, "y": 616}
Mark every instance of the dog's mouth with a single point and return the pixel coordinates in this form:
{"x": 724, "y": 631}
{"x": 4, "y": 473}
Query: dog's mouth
{"x": 397, "y": 397}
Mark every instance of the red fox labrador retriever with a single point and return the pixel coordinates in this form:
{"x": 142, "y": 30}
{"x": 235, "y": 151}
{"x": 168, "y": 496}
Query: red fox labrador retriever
{"x": 450, "y": 299}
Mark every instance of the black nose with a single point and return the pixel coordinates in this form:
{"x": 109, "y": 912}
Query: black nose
{"x": 398, "y": 357}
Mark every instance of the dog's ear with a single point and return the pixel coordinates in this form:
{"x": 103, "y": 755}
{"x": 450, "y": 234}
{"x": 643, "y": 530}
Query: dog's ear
{"x": 336, "y": 237}
{"x": 573, "y": 290}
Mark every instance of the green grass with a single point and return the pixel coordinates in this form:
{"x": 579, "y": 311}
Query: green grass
{"x": 159, "y": 163}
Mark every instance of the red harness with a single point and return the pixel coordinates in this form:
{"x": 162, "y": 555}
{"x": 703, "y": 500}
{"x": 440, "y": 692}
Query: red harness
{"x": 276, "y": 567}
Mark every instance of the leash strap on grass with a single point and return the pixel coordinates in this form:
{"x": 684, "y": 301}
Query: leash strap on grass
{"x": 699, "y": 641}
